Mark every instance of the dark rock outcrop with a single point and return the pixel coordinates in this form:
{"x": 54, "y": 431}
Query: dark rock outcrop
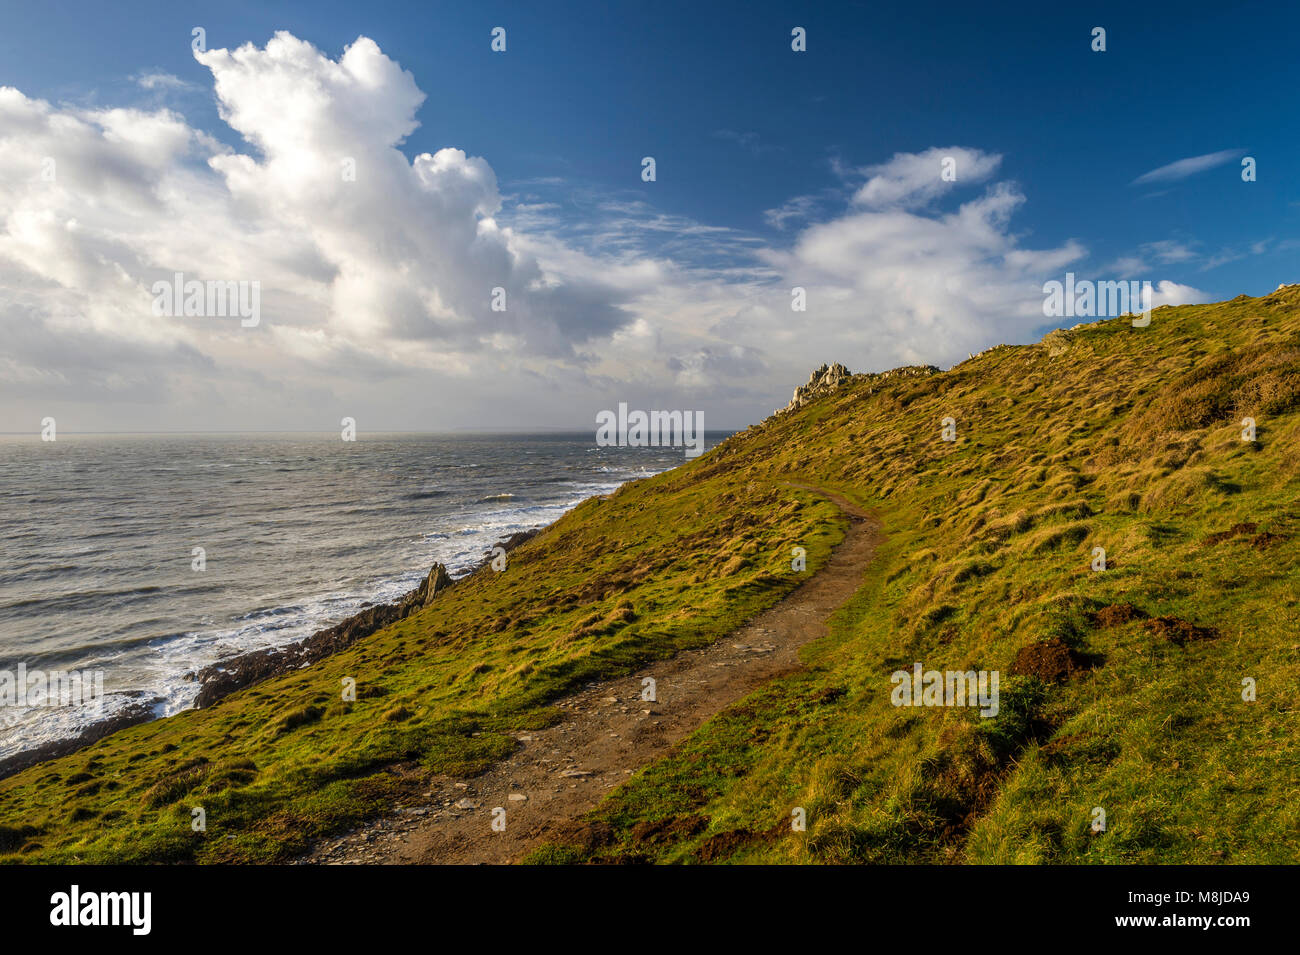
{"x": 134, "y": 712}
{"x": 223, "y": 678}
{"x": 227, "y": 676}
{"x": 437, "y": 581}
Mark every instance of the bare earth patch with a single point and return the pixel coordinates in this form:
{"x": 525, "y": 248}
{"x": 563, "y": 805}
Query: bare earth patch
{"x": 1052, "y": 661}
{"x": 608, "y": 732}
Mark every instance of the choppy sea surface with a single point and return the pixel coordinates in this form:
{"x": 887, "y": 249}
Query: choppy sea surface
{"x": 298, "y": 531}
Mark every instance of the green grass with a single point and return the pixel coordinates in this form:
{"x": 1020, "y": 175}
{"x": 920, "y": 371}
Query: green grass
{"x": 1129, "y": 440}
{"x": 656, "y": 568}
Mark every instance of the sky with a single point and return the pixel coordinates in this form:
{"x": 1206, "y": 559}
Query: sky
{"x": 439, "y": 235}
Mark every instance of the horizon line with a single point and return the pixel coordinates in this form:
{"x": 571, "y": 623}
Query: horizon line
{"x": 467, "y": 430}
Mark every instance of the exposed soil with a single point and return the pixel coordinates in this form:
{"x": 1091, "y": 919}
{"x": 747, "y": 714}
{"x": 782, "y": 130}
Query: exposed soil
{"x": 1179, "y": 631}
{"x": 1116, "y": 615}
{"x": 1052, "y": 661}
{"x": 608, "y": 732}
{"x": 1259, "y": 541}
{"x": 1220, "y": 536}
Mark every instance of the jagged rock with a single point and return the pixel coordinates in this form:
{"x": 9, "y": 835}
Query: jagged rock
{"x": 437, "y": 580}
{"x": 1057, "y": 343}
{"x": 223, "y": 678}
{"x": 907, "y": 371}
{"x": 829, "y": 378}
{"x": 825, "y": 379}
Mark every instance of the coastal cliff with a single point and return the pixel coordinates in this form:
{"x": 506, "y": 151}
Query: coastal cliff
{"x": 1088, "y": 517}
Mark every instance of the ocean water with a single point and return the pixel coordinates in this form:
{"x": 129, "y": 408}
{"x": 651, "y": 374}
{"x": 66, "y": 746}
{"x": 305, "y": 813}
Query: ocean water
{"x": 299, "y": 531}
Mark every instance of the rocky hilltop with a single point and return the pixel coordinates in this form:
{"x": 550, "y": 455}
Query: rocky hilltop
{"x": 825, "y": 379}
{"x": 828, "y": 378}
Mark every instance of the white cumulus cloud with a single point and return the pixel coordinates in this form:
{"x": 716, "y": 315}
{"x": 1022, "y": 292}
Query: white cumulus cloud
{"x": 378, "y": 270}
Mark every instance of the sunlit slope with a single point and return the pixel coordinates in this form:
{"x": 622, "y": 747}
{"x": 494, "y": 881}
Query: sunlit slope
{"x": 663, "y": 564}
{"x": 1122, "y": 690}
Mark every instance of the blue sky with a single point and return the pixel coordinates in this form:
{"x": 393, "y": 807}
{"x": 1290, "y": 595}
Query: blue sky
{"x": 754, "y": 144}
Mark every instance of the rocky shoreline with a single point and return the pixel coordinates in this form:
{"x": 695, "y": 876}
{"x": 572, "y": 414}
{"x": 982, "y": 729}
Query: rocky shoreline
{"x": 220, "y": 679}
{"x": 133, "y": 713}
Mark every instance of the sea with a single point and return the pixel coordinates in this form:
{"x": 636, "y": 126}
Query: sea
{"x": 147, "y": 557}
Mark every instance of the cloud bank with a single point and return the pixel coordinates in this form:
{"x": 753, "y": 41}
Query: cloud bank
{"x": 379, "y": 273}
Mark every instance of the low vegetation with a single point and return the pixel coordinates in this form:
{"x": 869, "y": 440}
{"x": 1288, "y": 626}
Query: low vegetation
{"x": 1159, "y": 691}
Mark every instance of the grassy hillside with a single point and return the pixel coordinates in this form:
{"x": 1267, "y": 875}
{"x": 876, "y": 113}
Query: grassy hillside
{"x": 1121, "y": 689}
{"x": 658, "y": 566}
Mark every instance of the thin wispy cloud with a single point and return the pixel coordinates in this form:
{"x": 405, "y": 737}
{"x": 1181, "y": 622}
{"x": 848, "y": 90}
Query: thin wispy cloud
{"x": 158, "y": 80}
{"x": 1185, "y": 168}
{"x": 750, "y": 141}
{"x": 915, "y": 179}
{"x": 1153, "y": 255}
{"x": 1149, "y": 254}
{"x": 794, "y": 209}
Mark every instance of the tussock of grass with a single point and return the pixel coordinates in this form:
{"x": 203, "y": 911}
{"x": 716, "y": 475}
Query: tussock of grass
{"x": 1130, "y": 441}
{"x": 654, "y": 568}
{"x": 1127, "y": 439}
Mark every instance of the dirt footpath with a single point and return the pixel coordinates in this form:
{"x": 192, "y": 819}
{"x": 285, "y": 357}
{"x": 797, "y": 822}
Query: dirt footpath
{"x": 608, "y": 732}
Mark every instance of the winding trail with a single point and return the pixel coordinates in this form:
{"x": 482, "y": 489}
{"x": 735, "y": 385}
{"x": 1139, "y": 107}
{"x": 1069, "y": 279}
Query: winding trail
{"x": 608, "y": 732}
